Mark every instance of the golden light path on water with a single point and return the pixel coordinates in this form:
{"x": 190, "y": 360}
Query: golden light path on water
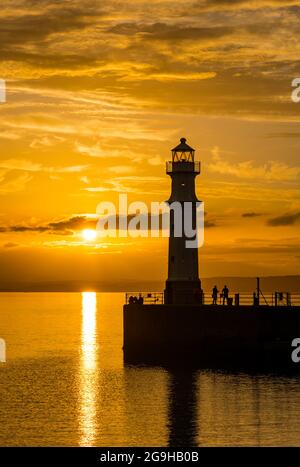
{"x": 88, "y": 369}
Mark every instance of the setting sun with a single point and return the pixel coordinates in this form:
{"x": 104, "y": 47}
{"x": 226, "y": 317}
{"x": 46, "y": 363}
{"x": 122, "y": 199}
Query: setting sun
{"x": 89, "y": 234}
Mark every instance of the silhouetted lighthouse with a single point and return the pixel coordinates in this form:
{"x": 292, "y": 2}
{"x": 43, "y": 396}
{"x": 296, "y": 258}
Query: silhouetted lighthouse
{"x": 183, "y": 284}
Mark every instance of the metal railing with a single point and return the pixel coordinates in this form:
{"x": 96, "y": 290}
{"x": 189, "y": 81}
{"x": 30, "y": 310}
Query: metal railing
{"x": 241, "y": 299}
{"x": 146, "y": 298}
{"x": 236, "y": 299}
{"x": 269, "y": 299}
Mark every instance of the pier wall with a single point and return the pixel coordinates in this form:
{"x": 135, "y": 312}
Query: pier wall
{"x": 210, "y": 332}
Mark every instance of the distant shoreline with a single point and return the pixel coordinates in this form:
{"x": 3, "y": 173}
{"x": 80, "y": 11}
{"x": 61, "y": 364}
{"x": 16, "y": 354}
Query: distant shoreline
{"x": 242, "y": 284}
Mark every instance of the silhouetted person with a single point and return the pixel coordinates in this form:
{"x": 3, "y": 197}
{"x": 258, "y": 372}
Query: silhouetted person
{"x": 131, "y": 300}
{"x": 225, "y": 293}
{"x": 215, "y": 295}
{"x": 140, "y": 300}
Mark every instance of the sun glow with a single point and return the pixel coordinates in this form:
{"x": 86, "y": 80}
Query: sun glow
{"x": 89, "y": 234}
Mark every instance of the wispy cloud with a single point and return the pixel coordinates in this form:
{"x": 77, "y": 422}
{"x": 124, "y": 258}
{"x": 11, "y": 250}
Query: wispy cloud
{"x": 269, "y": 171}
{"x": 13, "y": 184}
{"x": 29, "y": 166}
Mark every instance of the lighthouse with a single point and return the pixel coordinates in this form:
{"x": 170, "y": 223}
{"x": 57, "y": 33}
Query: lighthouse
{"x": 183, "y": 285}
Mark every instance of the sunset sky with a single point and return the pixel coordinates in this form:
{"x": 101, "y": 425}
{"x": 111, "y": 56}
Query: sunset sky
{"x": 98, "y": 92}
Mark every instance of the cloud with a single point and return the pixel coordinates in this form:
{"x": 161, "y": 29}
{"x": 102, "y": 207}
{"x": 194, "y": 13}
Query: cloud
{"x": 156, "y": 160}
{"x": 20, "y": 164}
{"x": 284, "y": 220}
{"x": 65, "y": 46}
{"x": 209, "y": 224}
{"x": 252, "y": 214}
{"x": 74, "y": 224}
{"x": 29, "y": 166}
{"x": 283, "y": 135}
{"x": 130, "y": 184}
{"x": 93, "y": 151}
{"x": 269, "y": 171}
{"x": 13, "y": 184}
{"x": 46, "y": 141}
{"x": 236, "y": 5}
{"x": 121, "y": 169}
{"x": 32, "y": 28}
{"x": 61, "y": 227}
{"x": 4, "y": 134}
{"x": 165, "y": 32}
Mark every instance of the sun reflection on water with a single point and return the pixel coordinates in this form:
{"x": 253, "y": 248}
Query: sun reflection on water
{"x": 88, "y": 367}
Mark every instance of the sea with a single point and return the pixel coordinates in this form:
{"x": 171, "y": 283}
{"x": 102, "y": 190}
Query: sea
{"x": 65, "y": 383}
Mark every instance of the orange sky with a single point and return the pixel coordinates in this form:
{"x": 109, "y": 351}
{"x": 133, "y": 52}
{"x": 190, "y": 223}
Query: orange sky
{"x": 97, "y": 94}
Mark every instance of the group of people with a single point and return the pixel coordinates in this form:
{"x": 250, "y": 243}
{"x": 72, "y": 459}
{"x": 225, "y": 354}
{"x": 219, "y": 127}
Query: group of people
{"x": 224, "y": 295}
{"x": 133, "y": 299}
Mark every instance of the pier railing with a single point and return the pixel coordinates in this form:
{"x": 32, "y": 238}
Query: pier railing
{"x": 236, "y": 299}
{"x": 241, "y": 299}
{"x": 267, "y": 299}
{"x": 146, "y": 298}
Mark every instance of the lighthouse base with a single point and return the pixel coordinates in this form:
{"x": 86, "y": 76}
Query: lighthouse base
{"x": 183, "y": 292}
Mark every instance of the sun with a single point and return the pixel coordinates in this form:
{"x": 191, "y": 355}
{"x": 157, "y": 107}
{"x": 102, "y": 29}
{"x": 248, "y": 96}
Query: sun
{"x": 89, "y": 234}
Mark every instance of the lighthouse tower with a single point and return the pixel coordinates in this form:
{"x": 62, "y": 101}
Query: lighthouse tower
{"x": 183, "y": 285}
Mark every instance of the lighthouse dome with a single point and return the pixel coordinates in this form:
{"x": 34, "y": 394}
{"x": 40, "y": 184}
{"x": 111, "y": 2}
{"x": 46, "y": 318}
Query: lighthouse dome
{"x": 183, "y": 147}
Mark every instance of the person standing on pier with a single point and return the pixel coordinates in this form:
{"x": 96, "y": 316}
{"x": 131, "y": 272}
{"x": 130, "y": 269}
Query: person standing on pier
{"x": 225, "y": 293}
{"x": 215, "y": 295}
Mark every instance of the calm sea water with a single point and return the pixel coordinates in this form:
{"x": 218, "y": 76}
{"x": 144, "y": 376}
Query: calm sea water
{"x": 65, "y": 383}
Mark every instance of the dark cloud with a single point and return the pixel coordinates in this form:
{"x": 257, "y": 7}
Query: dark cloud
{"x": 202, "y": 5}
{"x": 221, "y": 2}
{"x": 77, "y": 223}
{"x": 63, "y": 227}
{"x": 248, "y": 78}
{"x": 27, "y": 37}
{"x": 74, "y": 223}
{"x": 18, "y": 32}
{"x": 177, "y": 32}
{"x": 284, "y": 220}
{"x": 66, "y": 61}
{"x": 10, "y": 245}
{"x": 32, "y": 28}
{"x": 25, "y": 228}
{"x": 209, "y": 224}
{"x": 284, "y": 135}
{"x": 162, "y": 31}
{"x": 252, "y": 214}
